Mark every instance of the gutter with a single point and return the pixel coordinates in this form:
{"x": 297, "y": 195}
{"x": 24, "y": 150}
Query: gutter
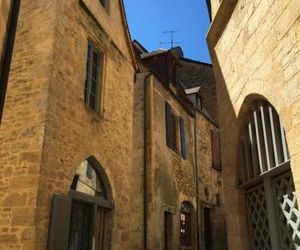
{"x": 146, "y": 157}
{"x": 197, "y": 181}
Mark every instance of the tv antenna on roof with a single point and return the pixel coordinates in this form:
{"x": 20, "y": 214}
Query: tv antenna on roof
{"x": 171, "y": 32}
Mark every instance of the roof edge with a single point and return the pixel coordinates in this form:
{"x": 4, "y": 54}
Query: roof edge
{"x": 195, "y": 61}
{"x": 127, "y": 34}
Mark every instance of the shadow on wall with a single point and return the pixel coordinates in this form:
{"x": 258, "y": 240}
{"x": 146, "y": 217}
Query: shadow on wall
{"x": 235, "y": 201}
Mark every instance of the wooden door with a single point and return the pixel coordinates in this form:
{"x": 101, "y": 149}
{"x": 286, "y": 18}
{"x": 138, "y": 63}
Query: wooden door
{"x": 80, "y": 228}
{"x": 100, "y": 228}
{"x": 168, "y": 231}
{"x": 207, "y": 229}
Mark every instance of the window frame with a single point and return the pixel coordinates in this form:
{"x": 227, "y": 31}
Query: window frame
{"x": 91, "y": 49}
{"x": 97, "y": 203}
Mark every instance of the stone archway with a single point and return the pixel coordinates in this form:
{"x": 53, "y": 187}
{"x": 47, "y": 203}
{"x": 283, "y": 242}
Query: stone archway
{"x": 266, "y": 178}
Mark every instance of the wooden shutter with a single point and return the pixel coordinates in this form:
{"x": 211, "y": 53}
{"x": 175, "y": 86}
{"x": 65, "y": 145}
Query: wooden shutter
{"x": 59, "y": 223}
{"x": 100, "y": 228}
{"x": 182, "y": 138}
{"x": 168, "y": 113}
{"x": 173, "y": 128}
{"x": 215, "y": 150}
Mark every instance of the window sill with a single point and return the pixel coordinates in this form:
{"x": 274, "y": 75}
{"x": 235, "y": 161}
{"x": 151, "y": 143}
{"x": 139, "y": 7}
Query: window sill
{"x": 96, "y": 116}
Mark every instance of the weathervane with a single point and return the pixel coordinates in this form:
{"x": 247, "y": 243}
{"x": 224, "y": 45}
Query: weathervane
{"x": 171, "y": 32}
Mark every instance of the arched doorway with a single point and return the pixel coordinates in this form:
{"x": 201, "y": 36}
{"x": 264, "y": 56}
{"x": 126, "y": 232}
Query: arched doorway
{"x": 81, "y": 221}
{"x": 186, "y": 225}
{"x": 265, "y": 175}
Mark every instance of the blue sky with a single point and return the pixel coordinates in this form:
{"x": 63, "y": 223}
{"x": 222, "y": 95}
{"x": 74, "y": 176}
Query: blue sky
{"x": 148, "y": 19}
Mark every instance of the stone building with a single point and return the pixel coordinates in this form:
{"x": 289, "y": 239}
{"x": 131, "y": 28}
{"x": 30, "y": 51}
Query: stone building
{"x": 254, "y": 47}
{"x": 66, "y": 129}
{"x": 175, "y": 120}
{"x": 99, "y": 151}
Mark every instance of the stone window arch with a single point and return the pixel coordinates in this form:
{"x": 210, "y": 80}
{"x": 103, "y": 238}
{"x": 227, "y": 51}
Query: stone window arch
{"x": 265, "y": 175}
{"x": 82, "y": 220}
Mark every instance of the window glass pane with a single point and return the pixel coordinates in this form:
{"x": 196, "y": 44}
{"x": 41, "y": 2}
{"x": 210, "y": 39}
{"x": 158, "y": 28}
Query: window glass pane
{"x": 91, "y": 94}
{"x": 87, "y": 180}
{"x": 95, "y": 58}
{"x": 93, "y": 89}
{"x": 86, "y": 87}
{"x": 186, "y": 207}
{"x": 92, "y": 103}
{"x": 94, "y": 72}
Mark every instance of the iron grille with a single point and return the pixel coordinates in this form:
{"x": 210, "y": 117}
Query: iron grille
{"x": 257, "y": 218}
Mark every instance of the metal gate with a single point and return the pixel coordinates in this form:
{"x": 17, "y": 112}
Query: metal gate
{"x": 257, "y": 218}
{"x": 273, "y": 214}
{"x": 283, "y": 212}
{"x": 288, "y": 215}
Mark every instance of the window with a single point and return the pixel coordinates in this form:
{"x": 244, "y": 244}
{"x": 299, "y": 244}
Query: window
{"x": 171, "y": 127}
{"x": 186, "y": 224}
{"x": 266, "y": 178}
{"x": 215, "y": 150}
{"x": 93, "y": 78}
{"x": 80, "y": 220}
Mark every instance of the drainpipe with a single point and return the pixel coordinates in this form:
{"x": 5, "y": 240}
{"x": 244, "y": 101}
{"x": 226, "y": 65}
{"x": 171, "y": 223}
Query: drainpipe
{"x": 197, "y": 181}
{"x": 146, "y": 157}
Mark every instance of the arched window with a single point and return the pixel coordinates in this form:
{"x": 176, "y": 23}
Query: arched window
{"x": 265, "y": 175}
{"x": 186, "y": 224}
{"x": 80, "y": 221}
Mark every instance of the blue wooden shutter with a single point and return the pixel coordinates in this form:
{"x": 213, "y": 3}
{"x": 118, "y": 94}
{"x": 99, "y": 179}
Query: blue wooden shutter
{"x": 59, "y": 223}
{"x": 215, "y": 150}
{"x": 168, "y": 112}
{"x": 182, "y": 137}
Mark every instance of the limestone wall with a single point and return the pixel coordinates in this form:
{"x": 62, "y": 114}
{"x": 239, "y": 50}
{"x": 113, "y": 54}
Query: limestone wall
{"x": 47, "y": 131}
{"x": 255, "y": 55}
{"x": 173, "y": 178}
{"x": 23, "y": 124}
{"x": 210, "y": 186}
{"x": 170, "y": 178}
